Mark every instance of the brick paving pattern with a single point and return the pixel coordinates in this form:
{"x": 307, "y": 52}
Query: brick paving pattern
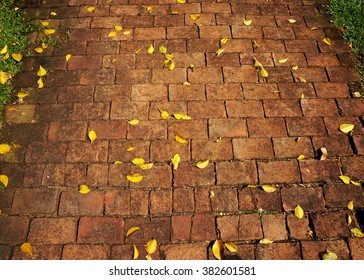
{"x": 264, "y": 126}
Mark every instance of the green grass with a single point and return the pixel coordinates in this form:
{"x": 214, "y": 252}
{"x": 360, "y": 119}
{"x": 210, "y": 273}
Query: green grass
{"x": 14, "y": 31}
{"x": 349, "y": 14}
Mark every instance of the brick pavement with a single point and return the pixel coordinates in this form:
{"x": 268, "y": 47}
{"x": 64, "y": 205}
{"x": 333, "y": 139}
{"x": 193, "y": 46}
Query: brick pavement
{"x": 264, "y": 126}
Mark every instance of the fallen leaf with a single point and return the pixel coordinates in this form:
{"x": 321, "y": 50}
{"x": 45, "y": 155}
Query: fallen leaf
{"x": 212, "y": 194}
{"x": 264, "y": 72}
{"x": 219, "y": 51}
{"x": 277, "y": 91}
{"x": 291, "y": 20}
{"x": 4, "y": 50}
{"x": 257, "y": 64}
{"x": 202, "y": 164}
{"x": 68, "y": 57}
{"x": 134, "y": 178}
{"x": 314, "y": 28}
{"x": 302, "y": 80}
{"x": 164, "y": 114}
{"x": 169, "y": 56}
{"x": 171, "y": 65}
{"x": 218, "y": 140}
{"x": 128, "y": 32}
{"x": 328, "y": 255}
{"x": 175, "y": 161}
{"x": 251, "y": 186}
{"x": 138, "y": 161}
{"x": 180, "y": 139}
{"x": 92, "y": 136}
{"x": 151, "y": 246}
{"x": 49, "y": 31}
{"x": 323, "y": 153}
{"x": 265, "y": 241}
{"x": 217, "y": 249}
{"x": 91, "y": 9}
{"x": 131, "y": 231}
{"x": 53, "y": 13}
{"x": 17, "y": 56}
{"x": 350, "y": 220}
{"x": 38, "y": 50}
{"x": 135, "y": 252}
{"x": 294, "y": 67}
{"x": 146, "y": 166}
{"x": 186, "y": 83}
{"x": 358, "y": 184}
{"x": 345, "y": 179}
{"x": 247, "y": 22}
{"x": 118, "y": 162}
{"x": 40, "y": 83}
{"x": 300, "y": 157}
{"x": 130, "y": 149}
{"x": 180, "y": 116}
{"x": 148, "y": 257}
{"x": 298, "y": 211}
{"x": 192, "y": 67}
{"x": 357, "y": 232}
{"x": 162, "y": 49}
{"x": 118, "y": 27}
{"x": 284, "y": 60}
{"x": 4, "y": 180}
{"x": 268, "y": 188}
{"x": 44, "y": 45}
{"x": 174, "y": 13}
{"x": 133, "y": 122}
{"x": 26, "y": 248}
{"x": 181, "y": 1}
{"x": 44, "y": 23}
{"x": 84, "y": 189}
{"x": 347, "y": 127}
{"x": 41, "y": 72}
{"x": 137, "y": 51}
{"x": 4, "y": 149}
{"x": 231, "y": 247}
{"x": 302, "y": 96}
{"x": 111, "y": 34}
{"x": 327, "y": 41}
{"x": 194, "y": 16}
{"x": 351, "y": 205}
{"x": 151, "y": 49}
{"x": 255, "y": 44}
{"x": 149, "y": 9}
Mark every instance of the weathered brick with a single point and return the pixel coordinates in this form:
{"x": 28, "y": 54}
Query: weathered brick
{"x": 244, "y": 108}
{"x": 359, "y": 144}
{"x": 288, "y": 172}
{"x": 76, "y": 204}
{"x": 20, "y": 113}
{"x": 224, "y": 200}
{"x": 310, "y": 199}
{"x": 353, "y": 167}
{"x": 109, "y": 129}
{"x": 161, "y": 202}
{"x": 259, "y": 91}
{"x": 129, "y": 110}
{"x": 181, "y": 92}
{"x": 85, "y": 252}
{"x": 112, "y": 92}
{"x": 188, "y": 8}
{"x": 335, "y": 221}
{"x": 227, "y": 128}
{"x": 169, "y": 106}
{"x": 122, "y": 62}
{"x": 243, "y": 74}
{"x": 84, "y": 62}
{"x": 189, "y": 129}
{"x": 292, "y": 147}
{"x": 335, "y": 144}
{"x": 117, "y": 202}
{"x": 333, "y": 124}
{"x": 278, "y": 33}
{"x": 295, "y": 91}
{"x": 252, "y": 148}
{"x": 274, "y": 227}
{"x": 147, "y": 92}
{"x": 250, "y": 227}
{"x": 356, "y": 248}
{"x": 50, "y": 152}
{"x": 97, "y": 175}
{"x": 247, "y": 32}
{"x": 337, "y": 195}
{"x": 228, "y": 227}
{"x": 183, "y": 200}
{"x": 312, "y": 250}
{"x": 292, "y": 59}
{"x": 299, "y": 45}
{"x": 189, "y": 251}
{"x": 203, "y": 227}
{"x": 278, "y": 251}
{"x": 216, "y": 8}
{"x": 205, "y": 75}
{"x": 319, "y": 107}
{"x": 319, "y": 171}
{"x": 223, "y": 91}
{"x": 267, "y": 201}
{"x": 164, "y": 150}
{"x": 182, "y": 32}
{"x": 181, "y": 228}
{"x": 75, "y": 174}
{"x": 202, "y": 45}
{"x": 76, "y": 94}
{"x": 189, "y": 175}
{"x": 266, "y": 127}
{"x": 214, "y": 32}
{"x": 67, "y": 131}
{"x": 6, "y": 200}
{"x": 152, "y": 33}
{"x": 202, "y": 200}
{"x": 319, "y": 59}
{"x": 185, "y": 59}
{"x": 138, "y": 21}
{"x": 246, "y": 201}
{"x": 160, "y": 176}
{"x": 165, "y": 76}
{"x": 282, "y": 108}
{"x": 138, "y": 205}
{"x": 54, "y": 112}
{"x": 342, "y": 74}
{"x": 87, "y": 152}
{"x": 169, "y": 20}
{"x": 298, "y": 228}
{"x": 101, "y": 76}
{"x": 351, "y": 107}
{"x": 231, "y": 173}
{"x": 148, "y": 130}
{"x": 90, "y": 111}
{"x": 133, "y": 76}
{"x": 206, "y": 109}
{"x": 305, "y": 126}
{"x": 13, "y": 229}
{"x": 39, "y": 252}
{"x": 222, "y": 60}
{"x": 118, "y": 150}
{"x": 208, "y": 149}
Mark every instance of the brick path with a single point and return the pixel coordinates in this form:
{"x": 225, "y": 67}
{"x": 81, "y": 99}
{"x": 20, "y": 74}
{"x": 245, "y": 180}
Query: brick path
{"x": 263, "y": 127}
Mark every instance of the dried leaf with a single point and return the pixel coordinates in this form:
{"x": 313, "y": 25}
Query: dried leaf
{"x": 169, "y": 56}
{"x": 146, "y": 166}
{"x": 268, "y": 188}
{"x": 134, "y": 178}
{"x": 350, "y": 220}
{"x": 255, "y": 44}
{"x": 4, "y": 149}
{"x": 302, "y": 80}
{"x": 171, "y": 65}
{"x": 180, "y": 116}
{"x": 4, "y": 180}
{"x": 284, "y": 60}
{"x": 118, "y": 162}
{"x": 180, "y": 139}
{"x": 358, "y": 184}
{"x": 212, "y": 194}
{"x": 181, "y": 1}
{"x": 231, "y": 247}
{"x": 149, "y": 9}
{"x": 247, "y": 22}
{"x": 53, "y": 13}
{"x": 186, "y": 83}
{"x": 294, "y": 67}
{"x": 127, "y": 32}
{"x": 300, "y": 157}
{"x": 49, "y": 31}
{"x": 138, "y": 51}
{"x": 4, "y": 50}
{"x": 151, "y": 49}
{"x": 328, "y": 255}
{"x": 264, "y": 72}
{"x": 327, "y": 41}
{"x": 92, "y": 135}
{"x": 323, "y": 153}
{"x": 41, "y": 72}
{"x": 195, "y": 16}
{"x": 223, "y": 41}
{"x": 345, "y": 179}
{"x": 38, "y": 50}
{"x": 118, "y": 27}
{"x": 347, "y": 127}
{"x": 111, "y": 34}
{"x": 17, "y": 56}
{"x": 40, "y": 83}
{"x": 133, "y": 122}
{"x": 84, "y": 189}
{"x": 257, "y": 64}
{"x": 130, "y": 149}
{"x": 164, "y": 114}
{"x": 148, "y": 257}
{"x": 357, "y": 232}
{"x": 138, "y": 161}
{"x": 175, "y": 161}
{"x": 44, "y": 45}
{"x": 265, "y": 241}
{"x": 26, "y": 248}
{"x": 90, "y": 9}
{"x": 251, "y": 186}
{"x": 131, "y": 231}
{"x": 218, "y": 140}
{"x": 298, "y": 211}
{"x": 351, "y": 205}
{"x": 291, "y": 20}
{"x": 314, "y": 28}
{"x": 192, "y": 67}
{"x": 174, "y": 13}
{"x": 302, "y": 96}
{"x": 202, "y": 164}
{"x": 162, "y": 49}
{"x": 219, "y": 51}
{"x": 135, "y": 252}
{"x": 151, "y": 246}
{"x": 217, "y": 249}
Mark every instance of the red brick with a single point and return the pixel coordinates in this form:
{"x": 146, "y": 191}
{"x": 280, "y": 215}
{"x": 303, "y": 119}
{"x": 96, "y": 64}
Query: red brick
{"x": 224, "y": 200}
{"x": 305, "y": 126}
{"x": 189, "y": 251}
{"x": 138, "y": 21}
{"x": 185, "y": 59}
{"x": 214, "y": 32}
{"x": 137, "y": 202}
{"x": 252, "y": 148}
{"x": 147, "y": 92}
{"x": 265, "y": 59}
{"x": 195, "y": 129}
{"x": 76, "y": 94}
{"x": 101, "y": 76}
{"x": 122, "y": 10}
{"x": 319, "y": 59}
{"x": 202, "y": 200}
{"x": 333, "y": 124}
{"x": 359, "y": 144}
{"x": 292, "y": 147}
{"x": 112, "y": 92}
{"x": 109, "y": 129}
{"x": 203, "y": 227}
{"x": 54, "y": 112}
{"x": 164, "y": 150}
{"x": 67, "y": 131}
{"x": 75, "y": 204}
{"x": 236, "y": 19}
{"x": 39, "y": 152}
{"x": 87, "y": 152}
{"x": 351, "y": 107}
{"x": 117, "y": 202}
{"x": 295, "y": 91}
{"x": 20, "y": 113}
{"x": 169, "y": 20}
{"x": 169, "y": 106}
{"x": 293, "y": 59}
{"x": 39, "y": 252}
{"x": 312, "y": 250}
{"x": 133, "y": 76}
{"x": 289, "y": 172}
{"x": 207, "y": 149}
{"x": 267, "y": 201}
{"x": 160, "y": 176}
{"x": 274, "y": 227}
{"x": 188, "y": 174}
{"x": 274, "y": 9}
{"x": 121, "y": 61}
{"x": 118, "y": 150}
{"x": 282, "y": 108}
{"x": 335, "y": 144}
{"x": 183, "y": 200}
{"x": 266, "y": 127}
{"x": 260, "y": 91}
{"x": 228, "y": 227}
{"x": 152, "y": 33}
{"x": 319, "y": 107}
{"x": 336, "y": 221}
{"x": 117, "y": 175}
{"x": 85, "y": 35}
{"x": 206, "y": 109}
{"x": 165, "y": 76}
{"x": 356, "y": 248}
{"x": 202, "y": 45}
{"x": 235, "y": 46}
{"x": 311, "y": 74}
{"x": 308, "y": 34}
{"x": 342, "y": 74}
{"x": 224, "y": 59}
{"x": 231, "y": 173}
{"x": 97, "y": 175}
{"x": 267, "y": 45}
{"x": 53, "y": 175}
{"x": 161, "y": 202}
{"x": 84, "y": 62}
{"x": 319, "y": 171}
{"x": 244, "y": 108}
{"x": 203, "y": 20}
{"x": 298, "y": 228}
{"x": 90, "y": 111}
{"x": 281, "y": 74}
{"x": 246, "y": 201}
{"x": 303, "y": 46}
{"x": 73, "y": 46}
{"x": 85, "y": 252}
{"x": 52, "y": 230}
{"x": 310, "y": 199}
{"x": 6, "y": 200}
{"x": 181, "y": 92}
{"x": 188, "y": 8}
{"x": 353, "y": 167}
{"x": 182, "y": 32}
{"x": 282, "y": 21}
{"x": 216, "y": 8}
{"x": 247, "y": 32}
{"x": 243, "y": 74}
{"x": 227, "y": 128}
{"x": 35, "y": 201}
{"x": 278, "y": 251}
{"x": 125, "y": 252}
{"x": 148, "y": 130}
{"x": 223, "y": 91}
{"x": 249, "y": 227}
{"x": 105, "y": 22}
{"x": 100, "y": 229}
{"x": 129, "y": 110}
{"x": 13, "y": 229}
{"x": 278, "y": 33}
{"x": 181, "y": 228}
{"x": 100, "y": 11}
{"x": 332, "y": 90}
{"x": 205, "y": 75}
{"x": 75, "y": 174}
{"x": 337, "y": 195}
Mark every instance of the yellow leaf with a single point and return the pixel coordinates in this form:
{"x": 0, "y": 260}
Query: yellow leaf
{"x": 68, "y": 57}
{"x": 151, "y": 49}
{"x": 135, "y": 252}
{"x": 128, "y": 32}
{"x": 44, "y": 23}
{"x": 4, "y": 149}
{"x": 327, "y": 41}
{"x": 40, "y": 83}
{"x": 180, "y": 116}
{"x": 276, "y": 91}
{"x": 351, "y": 205}
{"x": 44, "y": 45}
{"x": 350, "y": 220}
{"x": 4, "y": 50}
{"x": 180, "y": 139}
{"x": 300, "y": 157}
{"x": 175, "y": 161}
{"x": 257, "y": 64}
{"x": 149, "y": 9}
{"x": 217, "y": 248}
{"x": 247, "y": 22}
{"x": 268, "y": 188}
{"x": 291, "y": 20}
{"x": 146, "y": 166}
{"x": 131, "y": 231}
{"x": 329, "y": 256}
{"x": 302, "y": 80}
{"x": 358, "y": 184}
{"x": 357, "y": 232}
{"x": 92, "y": 136}
{"x": 133, "y": 122}
{"x": 231, "y": 247}
{"x": 4, "y": 180}
{"x": 130, "y": 149}
{"x": 314, "y": 28}
{"x": 284, "y": 60}
{"x": 224, "y": 41}
{"x": 192, "y": 67}
{"x": 218, "y": 140}
{"x": 118, "y": 162}
{"x": 323, "y": 153}
{"x": 345, "y": 179}
{"x": 219, "y": 51}
{"x": 181, "y": 1}
{"x": 302, "y": 96}
{"x": 138, "y": 51}
{"x": 6, "y": 56}
{"x": 41, "y": 72}
{"x": 111, "y": 34}
{"x": 17, "y": 56}
{"x": 164, "y": 114}
{"x": 148, "y": 257}
{"x": 138, "y": 161}
{"x": 195, "y": 16}
{"x": 90, "y": 9}
{"x": 298, "y": 211}
{"x": 294, "y": 67}
{"x": 255, "y": 44}
{"x": 84, "y": 189}
{"x": 174, "y": 13}
{"x": 53, "y": 13}
{"x": 264, "y": 73}
{"x": 169, "y": 56}
{"x": 212, "y": 194}
{"x": 38, "y": 50}
{"x": 202, "y": 164}
{"x": 347, "y": 127}
{"x": 151, "y": 246}
{"x": 162, "y": 49}
{"x": 49, "y": 31}
{"x": 118, "y": 27}
{"x": 265, "y": 241}
{"x": 186, "y": 83}
{"x": 134, "y": 178}
{"x": 26, "y": 248}
{"x": 171, "y": 66}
